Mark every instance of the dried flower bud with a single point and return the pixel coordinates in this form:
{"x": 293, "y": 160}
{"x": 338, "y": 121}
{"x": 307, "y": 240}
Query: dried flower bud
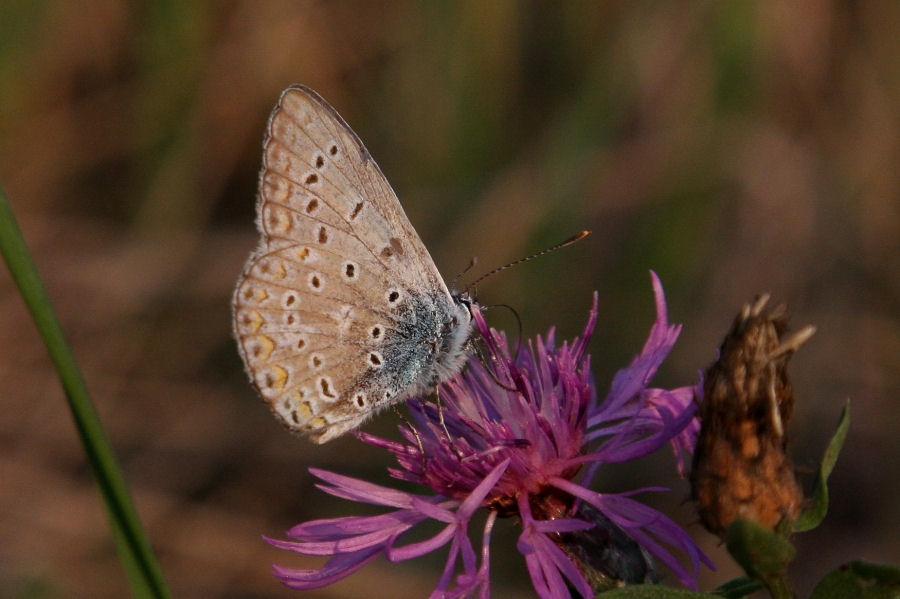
{"x": 741, "y": 470}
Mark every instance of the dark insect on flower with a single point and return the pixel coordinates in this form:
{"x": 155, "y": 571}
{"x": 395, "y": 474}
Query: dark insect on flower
{"x": 605, "y": 554}
{"x": 522, "y": 440}
{"x": 740, "y": 469}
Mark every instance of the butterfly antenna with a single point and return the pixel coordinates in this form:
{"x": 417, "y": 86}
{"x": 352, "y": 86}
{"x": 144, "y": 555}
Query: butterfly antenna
{"x": 472, "y": 263}
{"x": 558, "y": 246}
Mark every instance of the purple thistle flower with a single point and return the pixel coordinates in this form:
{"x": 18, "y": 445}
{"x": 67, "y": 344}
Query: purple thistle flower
{"x": 519, "y": 435}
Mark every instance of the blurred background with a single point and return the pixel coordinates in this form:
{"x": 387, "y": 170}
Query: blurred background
{"x": 735, "y": 148}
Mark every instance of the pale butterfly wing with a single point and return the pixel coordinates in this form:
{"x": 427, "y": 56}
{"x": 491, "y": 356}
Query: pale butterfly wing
{"x": 340, "y": 311}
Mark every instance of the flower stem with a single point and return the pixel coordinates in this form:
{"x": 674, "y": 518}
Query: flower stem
{"x": 778, "y": 586}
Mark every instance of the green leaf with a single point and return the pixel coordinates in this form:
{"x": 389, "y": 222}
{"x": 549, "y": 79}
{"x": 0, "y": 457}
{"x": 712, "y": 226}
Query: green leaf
{"x": 859, "y": 580}
{"x": 812, "y": 516}
{"x": 652, "y": 591}
{"x": 134, "y": 550}
{"x": 758, "y": 550}
{"x": 764, "y": 554}
{"x": 738, "y": 587}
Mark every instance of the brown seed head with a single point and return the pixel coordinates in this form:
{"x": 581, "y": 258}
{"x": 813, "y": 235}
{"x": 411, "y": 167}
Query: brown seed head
{"x": 741, "y": 469}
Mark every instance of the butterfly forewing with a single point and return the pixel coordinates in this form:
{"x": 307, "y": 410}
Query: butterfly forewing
{"x": 315, "y": 164}
{"x": 324, "y": 312}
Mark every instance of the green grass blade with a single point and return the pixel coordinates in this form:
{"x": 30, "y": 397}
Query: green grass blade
{"x": 141, "y": 567}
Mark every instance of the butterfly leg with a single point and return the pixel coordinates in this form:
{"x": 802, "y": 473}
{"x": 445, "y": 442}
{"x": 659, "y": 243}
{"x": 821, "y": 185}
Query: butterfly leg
{"x": 415, "y": 433}
{"x": 443, "y": 423}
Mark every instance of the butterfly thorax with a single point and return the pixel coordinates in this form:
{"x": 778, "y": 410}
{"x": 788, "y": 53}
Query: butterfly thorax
{"x": 424, "y": 345}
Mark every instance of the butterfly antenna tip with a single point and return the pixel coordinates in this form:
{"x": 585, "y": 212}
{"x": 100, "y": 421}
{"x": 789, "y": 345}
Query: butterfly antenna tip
{"x": 553, "y": 248}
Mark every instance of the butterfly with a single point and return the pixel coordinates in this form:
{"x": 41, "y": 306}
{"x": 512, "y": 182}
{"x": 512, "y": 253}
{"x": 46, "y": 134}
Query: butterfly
{"x": 340, "y": 311}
